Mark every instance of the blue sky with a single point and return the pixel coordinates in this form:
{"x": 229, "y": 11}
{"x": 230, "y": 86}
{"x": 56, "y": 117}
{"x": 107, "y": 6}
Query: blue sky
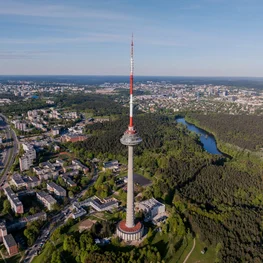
{"x": 172, "y": 37}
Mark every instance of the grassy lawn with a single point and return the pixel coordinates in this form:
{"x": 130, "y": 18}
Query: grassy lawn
{"x": 182, "y": 252}
{"x": 197, "y": 257}
{"x": 161, "y": 240}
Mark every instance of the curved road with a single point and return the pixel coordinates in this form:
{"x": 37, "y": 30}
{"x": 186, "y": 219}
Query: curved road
{"x": 189, "y": 254}
{"x": 10, "y": 152}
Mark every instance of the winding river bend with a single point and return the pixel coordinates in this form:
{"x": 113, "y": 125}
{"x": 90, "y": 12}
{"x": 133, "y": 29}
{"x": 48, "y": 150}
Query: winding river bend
{"x": 208, "y": 140}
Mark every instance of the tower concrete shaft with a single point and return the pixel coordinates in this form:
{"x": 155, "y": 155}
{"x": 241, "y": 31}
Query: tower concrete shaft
{"x": 130, "y": 193}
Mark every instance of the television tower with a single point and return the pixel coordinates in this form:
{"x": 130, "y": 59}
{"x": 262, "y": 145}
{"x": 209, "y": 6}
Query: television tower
{"x": 129, "y": 229}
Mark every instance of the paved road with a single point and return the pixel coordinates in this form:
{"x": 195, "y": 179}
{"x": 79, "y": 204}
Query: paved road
{"x": 10, "y": 152}
{"x": 189, "y": 254}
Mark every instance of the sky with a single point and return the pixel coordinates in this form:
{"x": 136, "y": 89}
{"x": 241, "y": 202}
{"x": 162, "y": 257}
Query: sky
{"x": 171, "y": 37}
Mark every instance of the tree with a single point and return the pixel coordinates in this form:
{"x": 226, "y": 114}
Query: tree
{"x": 56, "y": 258}
{"x": 70, "y": 194}
{"x": 6, "y": 207}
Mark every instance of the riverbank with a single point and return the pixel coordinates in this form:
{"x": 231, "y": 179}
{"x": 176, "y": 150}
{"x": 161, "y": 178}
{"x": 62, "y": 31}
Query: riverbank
{"x": 207, "y": 139}
{"x": 227, "y": 149}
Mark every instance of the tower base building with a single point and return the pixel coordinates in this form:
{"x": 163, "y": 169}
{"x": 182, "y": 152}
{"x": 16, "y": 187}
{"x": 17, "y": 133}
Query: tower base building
{"x": 130, "y": 233}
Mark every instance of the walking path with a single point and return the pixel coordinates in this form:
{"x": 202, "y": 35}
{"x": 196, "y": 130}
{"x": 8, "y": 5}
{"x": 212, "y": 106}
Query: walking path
{"x": 189, "y": 254}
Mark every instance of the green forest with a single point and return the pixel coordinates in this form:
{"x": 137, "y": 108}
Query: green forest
{"x": 218, "y": 199}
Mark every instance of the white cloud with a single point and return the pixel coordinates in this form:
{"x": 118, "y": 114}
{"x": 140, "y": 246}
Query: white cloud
{"x": 57, "y": 11}
{"x": 92, "y": 37}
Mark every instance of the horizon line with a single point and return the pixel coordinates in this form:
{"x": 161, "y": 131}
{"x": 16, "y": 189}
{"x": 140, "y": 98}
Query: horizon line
{"x": 112, "y": 75}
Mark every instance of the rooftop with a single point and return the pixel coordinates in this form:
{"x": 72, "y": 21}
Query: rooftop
{"x": 10, "y": 241}
{"x": 151, "y": 203}
{"x": 9, "y": 192}
{"x": 55, "y": 186}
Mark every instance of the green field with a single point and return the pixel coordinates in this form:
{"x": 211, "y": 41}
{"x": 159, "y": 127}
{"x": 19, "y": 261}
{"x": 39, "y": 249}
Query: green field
{"x": 198, "y": 257}
{"x": 161, "y": 240}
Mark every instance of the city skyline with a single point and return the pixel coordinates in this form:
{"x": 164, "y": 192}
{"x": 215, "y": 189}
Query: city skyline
{"x": 194, "y": 38}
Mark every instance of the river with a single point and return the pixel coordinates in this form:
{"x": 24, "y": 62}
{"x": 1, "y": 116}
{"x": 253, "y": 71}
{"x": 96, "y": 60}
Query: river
{"x": 208, "y": 140}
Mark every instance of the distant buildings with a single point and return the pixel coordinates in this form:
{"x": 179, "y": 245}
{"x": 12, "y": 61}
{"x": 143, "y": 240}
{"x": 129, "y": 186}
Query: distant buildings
{"x": 55, "y": 131}
{"x": 20, "y": 125}
{"x": 15, "y": 203}
{"x": 73, "y": 138}
{"x": 71, "y": 115}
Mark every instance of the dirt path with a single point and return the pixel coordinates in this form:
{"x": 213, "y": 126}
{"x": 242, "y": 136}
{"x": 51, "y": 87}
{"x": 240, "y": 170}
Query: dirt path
{"x": 189, "y": 254}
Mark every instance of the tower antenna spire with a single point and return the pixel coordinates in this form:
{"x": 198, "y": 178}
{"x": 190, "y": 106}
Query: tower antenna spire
{"x": 131, "y": 87}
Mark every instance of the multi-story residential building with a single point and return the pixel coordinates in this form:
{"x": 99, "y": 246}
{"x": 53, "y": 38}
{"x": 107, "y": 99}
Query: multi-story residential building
{"x": 47, "y": 171}
{"x": 78, "y": 165}
{"x": 15, "y": 203}
{"x": 46, "y": 199}
{"x": 10, "y": 244}
{"x": 25, "y": 181}
{"x": 31, "y": 181}
{"x": 26, "y": 161}
{"x": 56, "y": 189}
{"x": 66, "y": 178}
{"x": 18, "y": 181}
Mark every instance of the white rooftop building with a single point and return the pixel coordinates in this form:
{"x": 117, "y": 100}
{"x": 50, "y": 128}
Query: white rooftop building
{"x": 151, "y": 208}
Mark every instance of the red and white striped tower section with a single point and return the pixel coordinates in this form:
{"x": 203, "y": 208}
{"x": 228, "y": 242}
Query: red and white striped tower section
{"x": 130, "y": 229}
{"x": 131, "y": 128}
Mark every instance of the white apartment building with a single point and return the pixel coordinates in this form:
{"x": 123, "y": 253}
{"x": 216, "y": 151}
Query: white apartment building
{"x": 15, "y": 203}
{"x": 26, "y": 161}
{"x": 46, "y": 199}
